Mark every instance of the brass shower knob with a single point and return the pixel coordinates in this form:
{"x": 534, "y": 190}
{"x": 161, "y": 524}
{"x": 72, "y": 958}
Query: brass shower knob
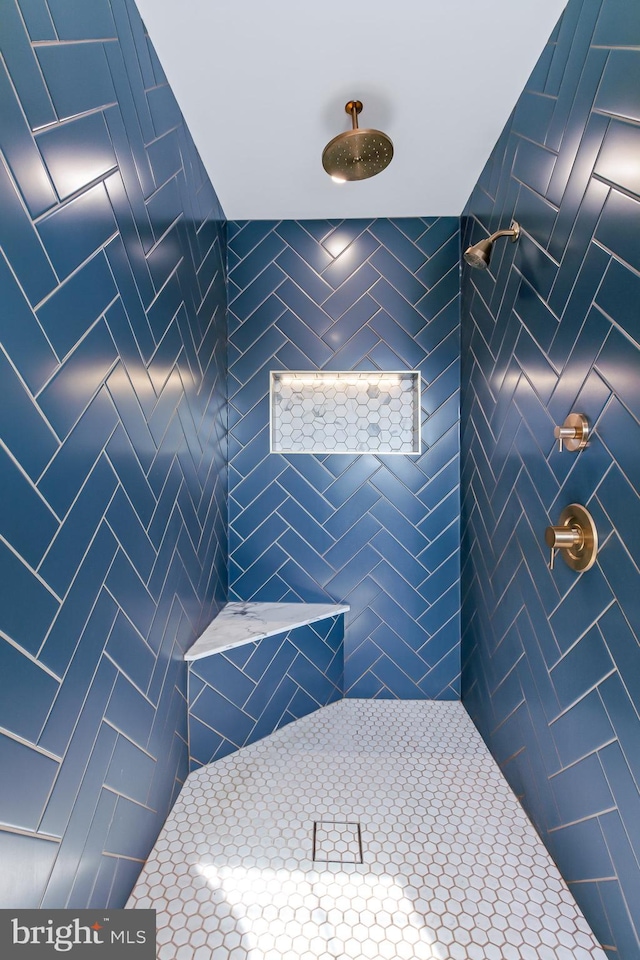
{"x": 576, "y": 536}
{"x": 574, "y": 432}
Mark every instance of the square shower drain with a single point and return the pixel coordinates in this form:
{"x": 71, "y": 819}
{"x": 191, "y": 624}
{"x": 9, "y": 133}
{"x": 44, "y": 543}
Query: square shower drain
{"x": 337, "y": 841}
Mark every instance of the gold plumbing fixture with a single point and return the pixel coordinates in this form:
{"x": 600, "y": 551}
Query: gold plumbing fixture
{"x": 357, "y": 154}
{"x": 479, "y": 254}
{"x": 576, "y": 536}
{"x": 574, "y": 433}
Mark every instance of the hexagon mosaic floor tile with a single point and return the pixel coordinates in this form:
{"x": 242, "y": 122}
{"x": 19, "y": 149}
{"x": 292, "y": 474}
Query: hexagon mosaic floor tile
{"x": 451, "y": 867}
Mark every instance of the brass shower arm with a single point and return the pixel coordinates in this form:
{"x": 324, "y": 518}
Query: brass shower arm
{"x": 513, "y": 232}
{"x": 353, "y": 108}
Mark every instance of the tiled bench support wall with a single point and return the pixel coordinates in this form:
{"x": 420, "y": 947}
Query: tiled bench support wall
{"x": 244, "y": 689}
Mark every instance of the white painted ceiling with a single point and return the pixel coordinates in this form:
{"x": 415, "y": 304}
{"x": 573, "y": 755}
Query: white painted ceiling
{"x": 263, "y": 83}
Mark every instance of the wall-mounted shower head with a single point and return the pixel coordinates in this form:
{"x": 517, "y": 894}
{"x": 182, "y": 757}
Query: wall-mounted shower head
{"x": 479, "y": 255}
{"x": 357, "y": 154}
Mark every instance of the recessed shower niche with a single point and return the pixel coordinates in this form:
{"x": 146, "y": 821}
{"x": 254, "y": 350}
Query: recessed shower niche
{"x": 345, "y": 412}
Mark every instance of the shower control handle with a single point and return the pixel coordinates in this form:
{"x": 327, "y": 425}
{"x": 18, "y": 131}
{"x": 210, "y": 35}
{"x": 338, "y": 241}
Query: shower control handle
{"x": 563, "y": 538}
{"x": 574, "y": 433}
{"x": 576, "y": 536}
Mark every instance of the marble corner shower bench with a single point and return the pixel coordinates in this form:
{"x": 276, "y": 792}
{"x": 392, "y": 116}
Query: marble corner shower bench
{"x": 257, "y": 667}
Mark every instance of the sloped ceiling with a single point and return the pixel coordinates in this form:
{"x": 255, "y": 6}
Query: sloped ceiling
{"x": 263, "y": 85}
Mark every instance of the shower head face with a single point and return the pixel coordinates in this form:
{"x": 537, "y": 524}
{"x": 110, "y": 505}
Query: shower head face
{"x": 357, "y": 154}
{"x": 479, "y": 255}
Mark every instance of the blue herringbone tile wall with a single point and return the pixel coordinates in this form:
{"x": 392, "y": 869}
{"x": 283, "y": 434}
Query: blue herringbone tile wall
{"x": 378, "y": 532}
{"x": 243, "y": 694}
{"x": 551, "y": 660}
{"x": 113, "y": 514}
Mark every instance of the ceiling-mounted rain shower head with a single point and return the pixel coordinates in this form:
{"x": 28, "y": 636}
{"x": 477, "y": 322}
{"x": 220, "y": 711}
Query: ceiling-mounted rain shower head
{"x": 479, "y": 255}
{"x": 357, "y": 154}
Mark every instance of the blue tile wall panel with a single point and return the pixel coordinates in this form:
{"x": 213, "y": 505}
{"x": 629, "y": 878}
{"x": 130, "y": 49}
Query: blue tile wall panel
{"x": 244, "y": 694}
{"x": 551, "y": 659}
{"x": 378, "y": 532}
{"x": 113, "y": 457}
